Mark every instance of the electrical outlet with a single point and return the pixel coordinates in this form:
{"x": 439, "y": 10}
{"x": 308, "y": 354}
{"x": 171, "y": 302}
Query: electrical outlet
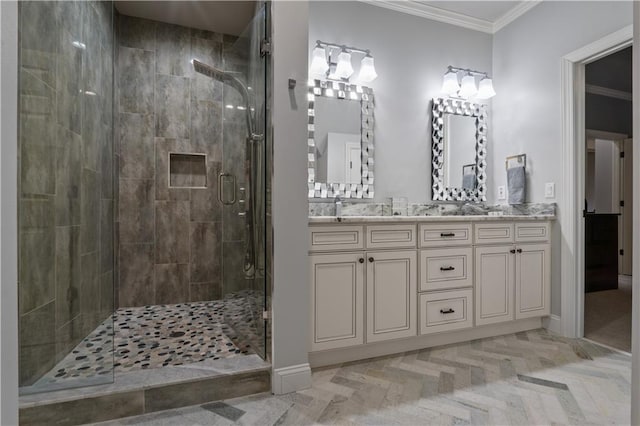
{"x": 549, "y": 190}
{"x": 502, "y": 192}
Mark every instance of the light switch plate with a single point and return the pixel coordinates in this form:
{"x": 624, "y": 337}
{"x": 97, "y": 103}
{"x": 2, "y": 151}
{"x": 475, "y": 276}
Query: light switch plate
{"x": 549, "y": 190}
{"x": 502, "y": 192}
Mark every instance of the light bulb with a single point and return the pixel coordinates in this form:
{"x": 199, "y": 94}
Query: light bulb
{"x": 450, "y": 84}
{"x": 485, "y": 89}
{"x": 344, "y": 68}
{"x": 319, "y": 65}
{"x": 367, "y": 70}
{"x": 468, "y": 87}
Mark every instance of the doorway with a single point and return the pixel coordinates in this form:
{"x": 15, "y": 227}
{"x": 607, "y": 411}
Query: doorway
{"x": 608, "y": 200}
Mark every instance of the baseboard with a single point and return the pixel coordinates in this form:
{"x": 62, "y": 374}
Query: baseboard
{"x": 371, "y": 350}
{"x": 553, "y": 324}
{"x": 291, "y": 379}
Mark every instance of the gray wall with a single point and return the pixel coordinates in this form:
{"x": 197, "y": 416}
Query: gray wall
{"x": 9, "y": 213}
{"x": 290, "y": 299}
{"x": 172, "y": 240}
{"x": 66, "y": 181}
{"x": 411, "y": 55}
{"x": 526, "y": 112}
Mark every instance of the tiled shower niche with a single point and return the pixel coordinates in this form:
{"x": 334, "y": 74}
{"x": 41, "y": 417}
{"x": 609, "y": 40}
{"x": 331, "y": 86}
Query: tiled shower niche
{"x": 187, "y": 170}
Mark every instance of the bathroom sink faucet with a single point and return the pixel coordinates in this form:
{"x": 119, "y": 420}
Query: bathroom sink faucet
{"x": 338, "y": 202}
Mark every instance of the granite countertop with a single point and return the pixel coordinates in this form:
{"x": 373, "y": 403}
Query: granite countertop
{"x": 445, "y": 218}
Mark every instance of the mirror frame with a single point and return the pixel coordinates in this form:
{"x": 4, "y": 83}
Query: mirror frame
{"x": 442, "y": 106}
{"x": 350, "y": 92}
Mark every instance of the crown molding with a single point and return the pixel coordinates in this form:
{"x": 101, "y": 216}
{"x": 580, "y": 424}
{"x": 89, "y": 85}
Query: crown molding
{"x": 424, "y": 10}
{"x": 433, "y": 13}
{"x": 514, "y": 13}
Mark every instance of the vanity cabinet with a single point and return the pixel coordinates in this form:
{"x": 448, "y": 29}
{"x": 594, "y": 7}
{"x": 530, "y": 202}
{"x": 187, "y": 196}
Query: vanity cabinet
{"x": 533, "y": 280}
{"x": 381, "y": 282}
{"x": 494, "y": 282}
{"x": 420, "y": 281}
{"x": 391, "y": 295}
{"x": 512, "y": 281}
{"x": 337, "y": 300}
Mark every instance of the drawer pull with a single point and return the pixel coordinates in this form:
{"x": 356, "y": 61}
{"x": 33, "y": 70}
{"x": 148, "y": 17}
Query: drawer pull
{"x": 448, "y": 311}
{"x": 447, "y": 234}
{"x": 447, "y": 268}
{"x": 361, "y": 260}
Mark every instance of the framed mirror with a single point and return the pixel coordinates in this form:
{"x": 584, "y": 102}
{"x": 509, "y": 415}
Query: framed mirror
{"x": 340, "y": 140}
{"x": 458, "y": 149}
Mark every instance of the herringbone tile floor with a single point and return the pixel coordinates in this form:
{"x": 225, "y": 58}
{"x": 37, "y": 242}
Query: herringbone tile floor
{"x": 531, "y": 378}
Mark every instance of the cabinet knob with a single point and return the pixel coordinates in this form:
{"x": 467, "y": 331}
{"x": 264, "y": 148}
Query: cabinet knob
{"x": 371, "y": 259}
{"x": 519, "y": 250}
{"x": 512, "y": 251}
{"x": 361, "y": 260}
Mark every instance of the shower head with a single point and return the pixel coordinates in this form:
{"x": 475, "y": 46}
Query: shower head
{"x": 227, "y": 78}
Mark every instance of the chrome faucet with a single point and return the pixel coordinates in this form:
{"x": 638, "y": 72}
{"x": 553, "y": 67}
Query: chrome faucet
{"x": 338, "y": 202}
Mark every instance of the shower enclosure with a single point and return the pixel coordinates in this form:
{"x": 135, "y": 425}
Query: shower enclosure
{"x": 142, "y": 193}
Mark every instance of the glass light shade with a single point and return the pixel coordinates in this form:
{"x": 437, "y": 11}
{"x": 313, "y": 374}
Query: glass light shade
{"x": 450, "y": 84}
{"x": 485, "y": 89}
{"x": 344, "y": 68}
{"x": 468, "y": 87}
{"x": 367, "y": 70}
{"x": 319, "y": 65}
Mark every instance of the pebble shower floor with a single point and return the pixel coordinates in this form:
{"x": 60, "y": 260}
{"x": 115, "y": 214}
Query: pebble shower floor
{"x": 152, "y": 337}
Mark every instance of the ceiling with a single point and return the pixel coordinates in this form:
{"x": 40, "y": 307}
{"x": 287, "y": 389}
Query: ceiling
{"x": 486, "y": 10}
{"x": 226, "y": 17}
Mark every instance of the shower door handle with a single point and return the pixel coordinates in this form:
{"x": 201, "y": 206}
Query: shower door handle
{"x": 221, "y": 197}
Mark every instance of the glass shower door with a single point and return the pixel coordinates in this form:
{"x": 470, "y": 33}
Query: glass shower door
{"x": 242, "y": 185}
{"x": 66, "y": 194}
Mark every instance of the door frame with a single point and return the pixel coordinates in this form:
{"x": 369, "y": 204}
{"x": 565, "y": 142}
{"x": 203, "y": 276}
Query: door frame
{"x": 573, "y": 89}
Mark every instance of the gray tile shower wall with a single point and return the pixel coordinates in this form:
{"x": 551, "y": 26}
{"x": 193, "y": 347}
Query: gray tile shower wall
{"x": 172, "y": 239}
{"x": 66, "y": 192}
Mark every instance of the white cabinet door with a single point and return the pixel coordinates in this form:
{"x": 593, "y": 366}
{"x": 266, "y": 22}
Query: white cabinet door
{"x": 494, "y": 284}
{"x": 533, "y": 280}
{"x": 391, "y": 295}
{"x": 337, "y": 300}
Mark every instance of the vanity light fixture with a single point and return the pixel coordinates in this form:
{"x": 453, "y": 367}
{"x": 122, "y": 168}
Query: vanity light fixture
{"x": 344, "y": 68}
{"x": 466, "y": 88}
{"x": 485, "y": 89}
{"x": 367, "y": 70}
{"x": 333, "y": 62}
{"x": 450, "y": 84}
{"x": 319, "y": 65}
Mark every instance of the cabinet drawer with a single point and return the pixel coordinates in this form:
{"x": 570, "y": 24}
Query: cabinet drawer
{"x": 325, "y": 238}
{"x": 442, "y": 269}
{"x": 489, "y": 233}
{"x": 445, "y": 311}
{"x": 532, "y": 231}
{"x": 450, "y": 234}
{"x": 391, "y": 236}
